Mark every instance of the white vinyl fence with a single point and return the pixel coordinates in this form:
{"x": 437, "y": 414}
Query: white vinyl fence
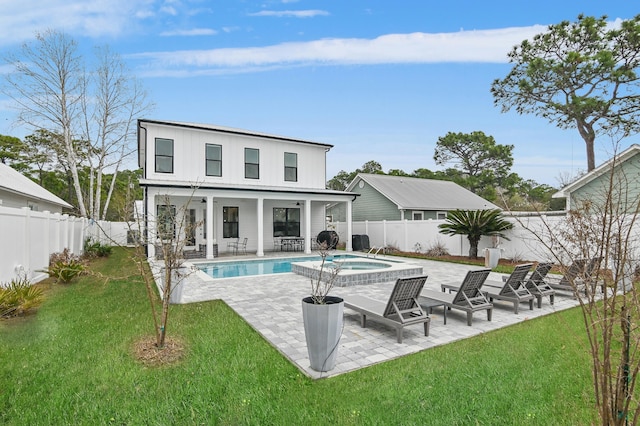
{"x": 421, "y": 235}
{"x": 28, "y": 238}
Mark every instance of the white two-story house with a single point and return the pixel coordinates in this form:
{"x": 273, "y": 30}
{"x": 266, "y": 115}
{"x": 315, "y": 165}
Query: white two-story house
{"x": 233, "y": 184}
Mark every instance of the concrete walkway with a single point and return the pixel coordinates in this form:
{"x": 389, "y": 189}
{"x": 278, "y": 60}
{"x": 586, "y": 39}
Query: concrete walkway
{"x": 272, "y": 305}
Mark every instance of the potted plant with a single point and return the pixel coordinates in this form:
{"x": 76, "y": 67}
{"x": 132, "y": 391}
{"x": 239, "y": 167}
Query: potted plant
{"x": 322, "y": 315}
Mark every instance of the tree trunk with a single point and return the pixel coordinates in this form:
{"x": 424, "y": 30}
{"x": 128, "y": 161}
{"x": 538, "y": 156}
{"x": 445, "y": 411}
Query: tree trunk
{"x": 473, "y": 248}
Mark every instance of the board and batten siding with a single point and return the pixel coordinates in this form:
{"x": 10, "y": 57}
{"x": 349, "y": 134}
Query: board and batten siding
{"x": 626, "y": 186}
{"x": 189, "y": 158}
{"x": 371, "y": 205}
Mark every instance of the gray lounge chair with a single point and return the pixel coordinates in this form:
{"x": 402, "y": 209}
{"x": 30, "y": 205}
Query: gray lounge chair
{"x": 578, "y": 275}
{"x": 536, "y": 283}
{"x": 513, "y": 289}
{"x": 402, "y": 308}
{"x": 468, "y": 297}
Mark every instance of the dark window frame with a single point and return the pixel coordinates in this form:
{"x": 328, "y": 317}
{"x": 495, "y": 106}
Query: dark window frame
{"x": 291, "y": 170}
{"x": 212, "y": 161}
{"x": 230, "y": 222}
{"x": 251, "y": 169}
{"x": 166, "y": 222}
{"x": 163, "y": 156}
{"x": 290, "y": 227}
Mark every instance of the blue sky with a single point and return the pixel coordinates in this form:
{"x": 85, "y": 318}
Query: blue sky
{"x": 379, "y": 80}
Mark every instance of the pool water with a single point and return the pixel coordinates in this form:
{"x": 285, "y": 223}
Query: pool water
{"x": 245, "y": 268}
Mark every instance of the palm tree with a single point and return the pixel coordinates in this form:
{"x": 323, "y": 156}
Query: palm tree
{"x": 474, "y": 224}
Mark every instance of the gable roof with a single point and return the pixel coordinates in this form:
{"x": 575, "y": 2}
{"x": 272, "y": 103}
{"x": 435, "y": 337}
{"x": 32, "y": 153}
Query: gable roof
{"x": 598, "y": 171}
{"x": 13, "y": 181}
{"x": 411, "y": 193}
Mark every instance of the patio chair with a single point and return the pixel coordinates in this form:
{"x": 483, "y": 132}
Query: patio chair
{"x": 236, "y": 246}
{"x": 513, "y": 289}
{"x": 402, "y": 308}
{"x": 579, "y": 274}
{"x": 468, "y": 296}
{"x": 537, "y": 285}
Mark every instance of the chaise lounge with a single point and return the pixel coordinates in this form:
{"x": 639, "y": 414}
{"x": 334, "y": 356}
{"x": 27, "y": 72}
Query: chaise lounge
{"x": 513, "y": 289}
{"x": 468, "y": 296}
{"x": 402, "y": 308}
{"x": 537, "y": 285}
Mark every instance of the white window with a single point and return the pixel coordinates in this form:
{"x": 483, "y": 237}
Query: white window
{"x": 418, "y": 216}
{"x": 441, "y": 215}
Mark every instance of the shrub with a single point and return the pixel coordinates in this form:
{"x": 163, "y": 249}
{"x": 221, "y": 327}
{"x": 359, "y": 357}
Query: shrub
{"x": 95, "y": 249}
{"x": 437, "y": 249}
{"x": 19, "y": 297}
{"x": 64, "y": 266}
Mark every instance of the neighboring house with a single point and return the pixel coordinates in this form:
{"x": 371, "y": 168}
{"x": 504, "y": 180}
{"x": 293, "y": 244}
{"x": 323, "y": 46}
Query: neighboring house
{"x": 233, "y": 184}
{"x": 385, "y": 197}
{"x": 17, "y": 191}
{"x": 595, "y": 185}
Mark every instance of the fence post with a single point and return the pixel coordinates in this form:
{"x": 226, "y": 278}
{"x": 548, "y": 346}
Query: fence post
{"x": 47, "y": 234}
{"x": 26, "y": 255}
{"x": 384, "y": 233}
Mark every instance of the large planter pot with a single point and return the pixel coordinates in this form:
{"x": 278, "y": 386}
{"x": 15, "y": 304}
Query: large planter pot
{"x": 323, "y": 329}
{"x": 491, "y": 257}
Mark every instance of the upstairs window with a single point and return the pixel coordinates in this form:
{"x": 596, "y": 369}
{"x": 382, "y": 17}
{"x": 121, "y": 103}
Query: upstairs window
{"x": 213, "y": 155}
{"x": 290, "y": 167}
{"x": 164, "y": 155}
{"x": 251, "y": 163}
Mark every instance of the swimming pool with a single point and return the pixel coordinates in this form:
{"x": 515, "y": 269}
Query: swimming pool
{"x": 243, "y": 268}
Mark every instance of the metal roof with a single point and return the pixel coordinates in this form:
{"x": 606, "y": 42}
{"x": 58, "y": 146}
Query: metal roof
{"x": 410, "y": 193}
{"x": 13, "y": 181}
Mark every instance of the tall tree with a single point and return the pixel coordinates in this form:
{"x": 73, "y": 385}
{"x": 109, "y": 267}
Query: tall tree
{"x": 92, "y": 107}
{"x": 579, "y": 75}
{"x": 11, "y": 151}
{"x": 484, "y": 163}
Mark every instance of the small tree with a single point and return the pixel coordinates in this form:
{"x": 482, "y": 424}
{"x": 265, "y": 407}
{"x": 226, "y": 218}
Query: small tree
{"x": 604, "y": 228}
{"x": 474, "y": 224}
{"x": 171, "y": 235}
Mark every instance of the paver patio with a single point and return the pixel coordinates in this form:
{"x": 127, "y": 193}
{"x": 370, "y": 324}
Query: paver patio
{"x": 272, "y": 305}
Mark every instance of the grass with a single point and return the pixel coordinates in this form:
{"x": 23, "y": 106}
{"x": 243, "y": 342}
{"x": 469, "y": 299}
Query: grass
{"x": 73, "y": 363}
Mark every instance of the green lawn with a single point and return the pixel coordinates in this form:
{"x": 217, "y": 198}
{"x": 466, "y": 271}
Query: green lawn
{"x": 72, "y": 363}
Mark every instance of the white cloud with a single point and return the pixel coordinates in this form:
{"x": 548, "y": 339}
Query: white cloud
{"x": 192, "y": 32}
{"x": 20, "y": 20}
{"x": 489, "y": 46}
{"x": 291, "y": 13}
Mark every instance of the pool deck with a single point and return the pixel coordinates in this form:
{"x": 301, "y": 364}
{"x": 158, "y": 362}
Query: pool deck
{"x": 272, "y": 305}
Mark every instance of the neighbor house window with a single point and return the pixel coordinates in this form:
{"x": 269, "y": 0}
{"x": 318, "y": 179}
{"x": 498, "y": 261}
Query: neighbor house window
{"x": 164, "y": 155}
{"x": 418, "y": 216}
{"x": 441, "y": 215}
{"x": 290, "y": 167}
{"x": 286, "y": 222}
{"x": 251, "y": 163}
{"x": 230, "y": 222}
{"x": 213, "y": 154}
{"x": 166, "y": 222}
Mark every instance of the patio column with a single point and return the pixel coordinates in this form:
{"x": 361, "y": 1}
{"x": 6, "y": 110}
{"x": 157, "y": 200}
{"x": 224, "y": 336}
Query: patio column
{"x": 151, "y": 223}
{"x": 210, "y": 235}
{"x": 260, "y": 213}
{"x": 349, "y": 246}
{"x": 307, "y": 226}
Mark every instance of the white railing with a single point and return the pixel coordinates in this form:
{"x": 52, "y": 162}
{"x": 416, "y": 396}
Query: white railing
{"x": 28, "y": 238}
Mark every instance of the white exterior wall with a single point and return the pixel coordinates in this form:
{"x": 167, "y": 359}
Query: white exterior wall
{"x": 10, "y": 199}
{"x": 189, "y": 158}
